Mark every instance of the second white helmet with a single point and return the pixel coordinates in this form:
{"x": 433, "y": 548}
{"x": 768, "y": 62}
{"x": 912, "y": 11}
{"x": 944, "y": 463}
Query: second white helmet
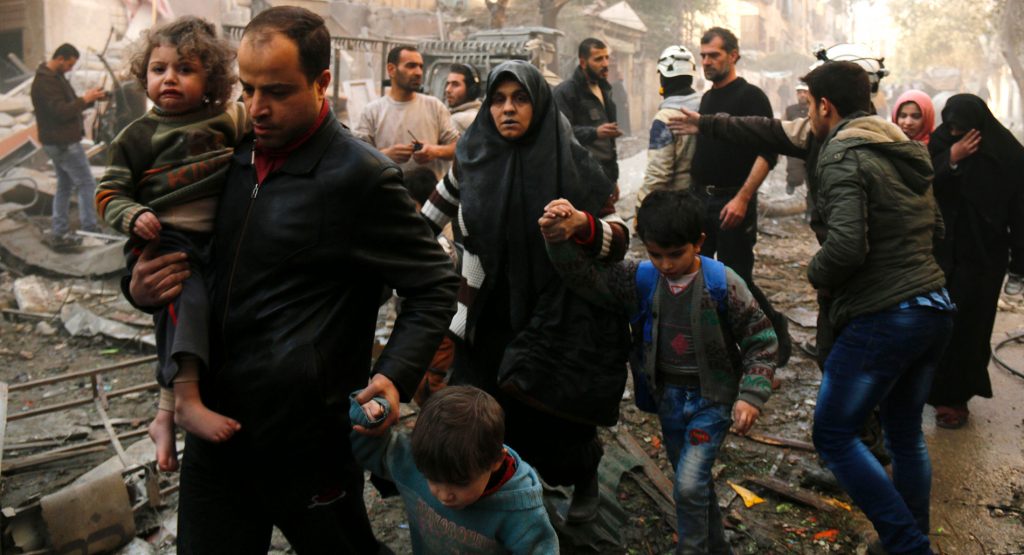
{"x": 676, "y": 61}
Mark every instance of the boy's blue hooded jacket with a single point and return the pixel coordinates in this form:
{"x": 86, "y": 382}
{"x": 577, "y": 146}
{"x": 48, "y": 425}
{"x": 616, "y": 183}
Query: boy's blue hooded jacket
{"x": 510, "y": 520}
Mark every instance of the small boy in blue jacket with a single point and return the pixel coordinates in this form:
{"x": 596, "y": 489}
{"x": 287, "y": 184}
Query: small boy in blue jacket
{"x": 464, "y": 490}
{"x": 704, "y": 353}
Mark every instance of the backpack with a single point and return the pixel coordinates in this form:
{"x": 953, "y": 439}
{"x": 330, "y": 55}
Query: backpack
{"x": 647, "y": 278}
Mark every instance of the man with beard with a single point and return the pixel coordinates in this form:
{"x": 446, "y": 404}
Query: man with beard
{"x": 462, "y": 92}
{"x": 586, "y": 99}
{"x": 411, "y": 128}
{"x": 727, "y": 176}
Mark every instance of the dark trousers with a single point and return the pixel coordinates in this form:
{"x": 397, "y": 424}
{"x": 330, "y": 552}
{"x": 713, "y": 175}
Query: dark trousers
{"x": 884, "y": 359}
{"x": 229, "y": 504}
{"x": 735, "y": 248}
{"x": 182, "y": 326}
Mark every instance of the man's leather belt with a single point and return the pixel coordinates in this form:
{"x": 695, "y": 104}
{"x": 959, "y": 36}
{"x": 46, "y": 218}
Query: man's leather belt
{"x": 714, "y": 191}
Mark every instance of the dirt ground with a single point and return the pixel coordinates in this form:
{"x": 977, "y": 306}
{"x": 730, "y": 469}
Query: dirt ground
{"x": 978, "y": 486}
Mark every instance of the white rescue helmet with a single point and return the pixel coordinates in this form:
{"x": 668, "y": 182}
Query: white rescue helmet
{"x": 856, "y": 53}
{"x": 676, "y": 61}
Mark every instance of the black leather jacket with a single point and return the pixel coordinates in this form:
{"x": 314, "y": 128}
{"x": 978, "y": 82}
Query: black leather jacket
{"x": 586, "y": 113}
{"x": 300, "y": 262}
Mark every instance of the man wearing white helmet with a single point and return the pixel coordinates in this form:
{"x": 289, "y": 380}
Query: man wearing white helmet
{"x": 862, "y": 56}
{"x": 669, "y": 157}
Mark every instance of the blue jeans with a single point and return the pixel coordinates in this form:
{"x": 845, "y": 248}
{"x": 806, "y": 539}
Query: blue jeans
{"x": 72, "y": 173}
{"x": 886, "y": 359}
{"x": 694, "y": 429}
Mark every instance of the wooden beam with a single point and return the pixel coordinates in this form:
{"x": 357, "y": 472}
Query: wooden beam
{"x": 794, "y": 493}
{"x": 80, "y": 402}
{"x": 651, "y": 469}
{"x": 69, "y": 451}
{"x": 778, "y": 441}
{"x": 21, "y": 463}
{"x": 83, "y": 373}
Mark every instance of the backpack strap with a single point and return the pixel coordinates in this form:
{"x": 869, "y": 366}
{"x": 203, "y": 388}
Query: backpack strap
{"x": 715, "y": 283}
{"x": 646, "y": 284}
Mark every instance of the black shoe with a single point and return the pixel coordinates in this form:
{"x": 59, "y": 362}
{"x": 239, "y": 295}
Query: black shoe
{"x": 61, "y": 242}
{"x": 585, "y": 501}
{"x": 876, "y": 548}
{"x": 820, "y": 478}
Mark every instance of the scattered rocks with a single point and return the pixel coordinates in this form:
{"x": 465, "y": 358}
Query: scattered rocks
{"x": 43, "y": 328}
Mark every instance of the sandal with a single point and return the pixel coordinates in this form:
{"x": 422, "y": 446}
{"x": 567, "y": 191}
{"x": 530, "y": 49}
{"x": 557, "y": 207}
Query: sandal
{"x": 951, "y": 418}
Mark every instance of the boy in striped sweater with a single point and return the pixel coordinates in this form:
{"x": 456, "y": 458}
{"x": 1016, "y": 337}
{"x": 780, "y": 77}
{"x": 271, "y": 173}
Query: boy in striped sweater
{"x": 705, "y": 352}
{"x": 161, "y": 187}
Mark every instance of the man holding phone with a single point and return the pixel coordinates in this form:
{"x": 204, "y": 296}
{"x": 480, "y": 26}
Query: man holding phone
{"x": 411, "y": 128}
{"x": 59, "y": 119}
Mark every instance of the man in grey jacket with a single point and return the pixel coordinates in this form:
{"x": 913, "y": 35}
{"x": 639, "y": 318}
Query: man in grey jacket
{"x": 669, "y": 157}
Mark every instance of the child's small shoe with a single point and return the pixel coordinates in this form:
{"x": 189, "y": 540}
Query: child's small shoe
{"x": 1014, "y": 284}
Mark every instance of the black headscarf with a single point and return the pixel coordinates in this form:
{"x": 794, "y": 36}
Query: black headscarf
{"x": 990, "y": 178}
{"x": 505, "y": 185}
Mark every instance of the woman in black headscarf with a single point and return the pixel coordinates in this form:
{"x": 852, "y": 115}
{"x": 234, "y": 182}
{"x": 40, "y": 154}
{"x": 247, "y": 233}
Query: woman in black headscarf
{"x": 979, "y": 185}
{"x": 554, "y": 362}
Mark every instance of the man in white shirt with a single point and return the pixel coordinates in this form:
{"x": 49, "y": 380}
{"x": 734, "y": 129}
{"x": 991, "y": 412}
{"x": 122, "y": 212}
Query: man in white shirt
{"x": 411, "y": 128}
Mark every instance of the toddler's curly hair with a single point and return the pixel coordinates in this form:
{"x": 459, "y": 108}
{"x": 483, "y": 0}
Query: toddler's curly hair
{"x": 192, "y": 36}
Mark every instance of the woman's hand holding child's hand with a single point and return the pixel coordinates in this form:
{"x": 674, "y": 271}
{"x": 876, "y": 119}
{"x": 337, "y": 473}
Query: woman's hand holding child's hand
{"x": 561, "y": 221}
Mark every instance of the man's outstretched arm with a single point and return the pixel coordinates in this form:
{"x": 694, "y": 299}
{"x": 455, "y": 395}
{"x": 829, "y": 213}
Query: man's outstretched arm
{"x": 788, "y": 138}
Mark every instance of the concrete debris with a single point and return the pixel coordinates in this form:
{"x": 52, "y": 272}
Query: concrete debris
{"x": 79, "y": 320}
{"x": 137, "y": 547}
{"x": 803, "y": 317}
{"x": 42, "y": 328}
{"x": 35, "y": 295}
{"x": 26, "y": 244}
{"x": 89, "y": 518}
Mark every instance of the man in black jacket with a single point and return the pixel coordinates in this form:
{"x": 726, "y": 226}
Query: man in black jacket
{"x": 727, "y": 177}
{"x": 586, "y": 99}
{"x": 312, "y": 225}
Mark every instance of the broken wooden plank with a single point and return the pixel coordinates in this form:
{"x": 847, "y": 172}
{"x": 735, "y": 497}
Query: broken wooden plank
{"x": 797, "y": 494}
{"x": 68, "y": 451}
{"x": 30, "y": 315}
{"x": 668, "y": 510}
{"x": 21, "y": 463}
{"x": 118, "y": 448}
{"x": 651, "y": 469}
{"x": 84, "y": 373}
{"x": 779, "y": 441}
{"x": 43, "y": 442}
{"x": 80, "y": 402}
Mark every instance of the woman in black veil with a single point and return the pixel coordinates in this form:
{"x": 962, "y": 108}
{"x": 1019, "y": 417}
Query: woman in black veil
{"x": 979, "y": 185}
